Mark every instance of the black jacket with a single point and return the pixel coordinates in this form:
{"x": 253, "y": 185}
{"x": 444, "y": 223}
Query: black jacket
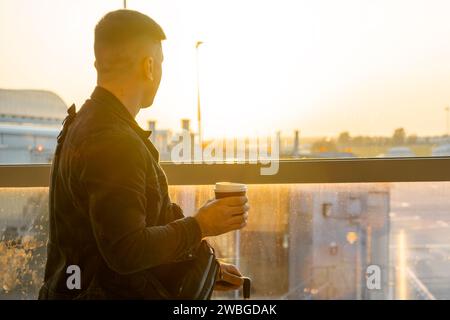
{"x": 110, "y": 212}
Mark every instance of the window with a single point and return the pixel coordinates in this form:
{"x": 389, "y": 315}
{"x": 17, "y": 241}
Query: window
{"x": 289, "y": 249}
{"x": 327, "y": 79}
{"x": 296, "y": 83}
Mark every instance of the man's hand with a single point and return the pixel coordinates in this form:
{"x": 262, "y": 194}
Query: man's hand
{"x": 229, "y": 278}
{"x": 220, "y": 216}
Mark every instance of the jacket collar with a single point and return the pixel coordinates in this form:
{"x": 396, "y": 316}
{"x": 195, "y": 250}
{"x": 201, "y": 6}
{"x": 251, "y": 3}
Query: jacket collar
{"x": 105, "y": 97}
{"x": 113, "y": 104}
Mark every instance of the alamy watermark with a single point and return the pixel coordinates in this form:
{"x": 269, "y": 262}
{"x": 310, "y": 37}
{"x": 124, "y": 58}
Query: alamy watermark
{"x": 373, "y": 277}
{"x": 265, "y": 151}
{"x": 74, "y": 280}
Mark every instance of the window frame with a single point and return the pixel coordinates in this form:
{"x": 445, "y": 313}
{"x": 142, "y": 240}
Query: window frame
{"x": 359, "y": 170}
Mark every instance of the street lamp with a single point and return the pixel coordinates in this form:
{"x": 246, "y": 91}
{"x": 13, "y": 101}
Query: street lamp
{"x": 447, "y": 109}
{"x": 199, "y": 114}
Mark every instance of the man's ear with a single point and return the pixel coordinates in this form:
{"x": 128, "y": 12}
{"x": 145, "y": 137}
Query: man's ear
{"x": 149, "y": 68}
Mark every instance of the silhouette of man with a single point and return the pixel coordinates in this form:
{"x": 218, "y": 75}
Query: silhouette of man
{"x": 110, "y": 212}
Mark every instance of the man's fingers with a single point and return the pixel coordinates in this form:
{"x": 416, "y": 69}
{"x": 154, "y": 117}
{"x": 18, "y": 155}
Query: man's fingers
{"x": 238, "y": 219}
{"x": 230, "y": 268}
{"x": 237, "y": 226}
{"x": 232, "y": 279}
{"x": 234, "y": 201}
{"x": 224, "y": 287}
{"x": 238, "y": 210}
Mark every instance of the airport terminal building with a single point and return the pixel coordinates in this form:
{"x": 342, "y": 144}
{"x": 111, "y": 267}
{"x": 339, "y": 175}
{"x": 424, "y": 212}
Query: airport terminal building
{"x": 30, "y": 121}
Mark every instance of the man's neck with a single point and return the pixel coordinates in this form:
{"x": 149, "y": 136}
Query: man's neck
{"x": 128, "y": 99}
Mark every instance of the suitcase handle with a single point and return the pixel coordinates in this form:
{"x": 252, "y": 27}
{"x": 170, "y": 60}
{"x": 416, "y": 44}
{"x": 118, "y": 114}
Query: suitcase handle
{"x": 246, "y": 287}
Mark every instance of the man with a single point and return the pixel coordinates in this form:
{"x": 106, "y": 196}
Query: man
{"x": 111, "y": 217}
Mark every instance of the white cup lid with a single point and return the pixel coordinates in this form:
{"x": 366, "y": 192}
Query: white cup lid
{"x": 230, "y": 187}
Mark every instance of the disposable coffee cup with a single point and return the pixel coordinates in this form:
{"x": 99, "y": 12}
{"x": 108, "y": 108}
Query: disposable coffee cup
{"x": 229, "y": 189}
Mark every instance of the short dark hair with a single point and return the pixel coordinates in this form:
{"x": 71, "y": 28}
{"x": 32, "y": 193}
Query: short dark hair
{"x": 118, "y": 28}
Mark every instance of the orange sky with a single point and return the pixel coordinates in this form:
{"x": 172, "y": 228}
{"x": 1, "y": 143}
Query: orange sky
{"x": 319, "y": 66}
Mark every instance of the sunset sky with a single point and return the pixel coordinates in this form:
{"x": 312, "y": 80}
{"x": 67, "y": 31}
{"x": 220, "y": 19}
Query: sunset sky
{"x": 319, "y": 66}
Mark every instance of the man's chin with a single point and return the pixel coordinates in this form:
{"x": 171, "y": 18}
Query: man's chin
{"x": 147, "y": 104}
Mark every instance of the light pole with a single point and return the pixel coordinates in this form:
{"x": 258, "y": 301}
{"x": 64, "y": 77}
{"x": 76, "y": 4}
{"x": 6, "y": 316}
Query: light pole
{"x": 199, "y": 114}
{"x": 124, "y": 4}
{"x": 447, "y": 109}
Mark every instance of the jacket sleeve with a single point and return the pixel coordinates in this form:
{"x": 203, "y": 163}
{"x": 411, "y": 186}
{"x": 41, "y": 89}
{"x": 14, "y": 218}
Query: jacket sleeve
{"x": 175, "y": 212}
{"x": 113, "y": 174}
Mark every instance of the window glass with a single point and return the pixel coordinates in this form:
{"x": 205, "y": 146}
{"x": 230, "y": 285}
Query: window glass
{"x": 310, "y": 79}
{"x": 303, "y": 241}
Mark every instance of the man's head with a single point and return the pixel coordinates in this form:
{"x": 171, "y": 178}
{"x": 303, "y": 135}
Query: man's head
{"x": 128, "y": 51}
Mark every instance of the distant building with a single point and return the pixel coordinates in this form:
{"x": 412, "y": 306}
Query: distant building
{"x": 186, "y": 124}
{"x": 295, "y": 150}
{"x": 30, "y": 121}
{"x": 152, "y": 128}
{"x": 161, "y": 139}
